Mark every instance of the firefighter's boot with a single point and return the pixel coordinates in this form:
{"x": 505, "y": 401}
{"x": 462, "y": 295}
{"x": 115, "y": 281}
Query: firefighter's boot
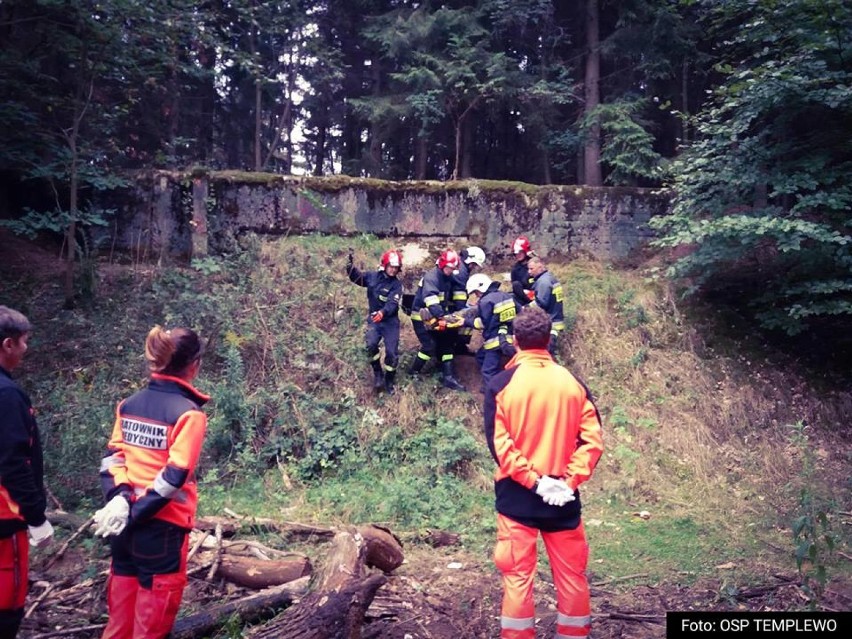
{"x": 417, "y": 365}
{"x": 390, "y": 378}
{"x": 157, "y": 608}
{"x": 121, "y": 602}
{"x": 448, "y": 379}
{"x": 378, "y": 376}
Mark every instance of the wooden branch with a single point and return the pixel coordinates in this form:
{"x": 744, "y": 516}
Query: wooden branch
{"x": 70, "y": 631}
{"x": 250, "y": 609}
{"x": 36, "y": 603}
{"x": 759, "y": 591}
{"x": 64, "y": 520}
{"x": 218, "y": 557}
{"x": 256, "y": 574}
{"x": 625, "y": 616}
{"x": 617, "y": 579}
{"x": 290, "y": 528}
{"x": 58, "y": 555}
{"x": 198, "y": 543}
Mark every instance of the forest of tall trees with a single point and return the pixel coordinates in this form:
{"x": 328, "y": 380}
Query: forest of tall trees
{"x": 744, "y": 107}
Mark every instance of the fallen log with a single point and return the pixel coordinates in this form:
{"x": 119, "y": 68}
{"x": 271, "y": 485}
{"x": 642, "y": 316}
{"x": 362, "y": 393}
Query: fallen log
{"x": 257, "y": 574}
{"x": 289, "y": 528}
{"x": 249, "y": 609}
{"x": 384, "y": 550}
{"x": 335, "y": 615}
{"x": 343, "y": 592}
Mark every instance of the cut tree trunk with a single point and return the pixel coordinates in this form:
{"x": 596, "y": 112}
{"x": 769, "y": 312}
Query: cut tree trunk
{"x": 344, "y": 591}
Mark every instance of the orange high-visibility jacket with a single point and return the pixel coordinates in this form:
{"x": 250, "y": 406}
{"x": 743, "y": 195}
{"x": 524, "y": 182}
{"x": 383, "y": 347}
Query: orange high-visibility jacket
{"x": 540, "y": 420}
{"x": 154, "y": 449}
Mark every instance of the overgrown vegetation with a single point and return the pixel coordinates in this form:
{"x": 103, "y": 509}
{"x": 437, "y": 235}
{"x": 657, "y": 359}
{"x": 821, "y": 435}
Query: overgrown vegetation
{"x": 762, "y": 201}
{"x": 695, "y": 424}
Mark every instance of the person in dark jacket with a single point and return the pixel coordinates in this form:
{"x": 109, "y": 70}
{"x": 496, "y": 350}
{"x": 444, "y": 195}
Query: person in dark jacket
{"x": 544, "y": 432}
{"x": 434, "y": 302}
{"x": 495, "y": 311}
{"x": 384, "y": 294}
{"x": 148, "y": 480}
{"x": 520, "y": 275}
{"x": 472, "y": 261}
{"x": 23, "y": 499}
{"x": 548, "y": 295}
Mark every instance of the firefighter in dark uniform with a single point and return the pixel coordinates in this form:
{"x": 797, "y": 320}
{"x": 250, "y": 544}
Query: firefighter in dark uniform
{"x": 495, "y": 311}
{"x": 548, "y": 295}
{"x": 521, "y": 279}
{"x": 384, "y": 293}
{"x": 433, "y": 305}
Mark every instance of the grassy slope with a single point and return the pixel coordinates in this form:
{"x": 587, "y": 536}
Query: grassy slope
{"x": 697, "y": 427}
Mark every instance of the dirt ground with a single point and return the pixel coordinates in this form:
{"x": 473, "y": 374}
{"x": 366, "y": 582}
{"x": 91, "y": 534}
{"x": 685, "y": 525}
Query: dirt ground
{"x": 438, "y": 593}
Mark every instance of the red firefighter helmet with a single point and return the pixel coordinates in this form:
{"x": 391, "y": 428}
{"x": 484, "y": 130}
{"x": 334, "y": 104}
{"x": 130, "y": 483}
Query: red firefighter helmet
{"x": 521, "y": 244}
{"x": 392, "y": 258}
{"x": 448, "y": 258}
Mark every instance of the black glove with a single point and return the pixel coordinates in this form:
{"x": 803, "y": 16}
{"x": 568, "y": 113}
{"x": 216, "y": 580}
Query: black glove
{"x": 350, "y": 262}
{"x": 507, "y": 349}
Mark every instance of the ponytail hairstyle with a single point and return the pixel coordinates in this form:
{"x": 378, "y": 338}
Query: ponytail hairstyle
{"x": 170, "y": 352}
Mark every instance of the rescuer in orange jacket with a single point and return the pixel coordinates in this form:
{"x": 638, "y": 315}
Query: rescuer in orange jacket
{"x": 22, "y": 495}
{"x": 544, "y": 432}
{"x": 148, "y": 479}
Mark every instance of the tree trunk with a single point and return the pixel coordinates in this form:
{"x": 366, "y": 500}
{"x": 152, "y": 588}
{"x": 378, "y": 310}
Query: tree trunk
{"x": 259, "y": 573}
{"x": 467, "y": 152}
{"x": 249, "y": 609}
{"x": 592, "y": 148}
{"x": 319, "y": 152}
{"x": 420, "y": 156}
{"x": 344, "y": 591}
{"x": 684, "y": 92}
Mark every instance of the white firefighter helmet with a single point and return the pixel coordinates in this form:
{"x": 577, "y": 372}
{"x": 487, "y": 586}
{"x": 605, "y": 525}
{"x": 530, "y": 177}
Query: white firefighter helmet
{"x": 478, "y": 282}
{"x": 475, "y": 255}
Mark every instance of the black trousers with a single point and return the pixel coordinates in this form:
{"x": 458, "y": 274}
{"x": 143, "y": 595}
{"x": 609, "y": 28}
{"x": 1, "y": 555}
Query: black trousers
{"x": 387, "y": 330}
{"x": 154, "y": 547}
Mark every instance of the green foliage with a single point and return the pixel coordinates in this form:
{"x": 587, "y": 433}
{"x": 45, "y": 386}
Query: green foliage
{"x": 628, "y": 147}
{"x": 813, "y": 536}
{"x": 762, "y": 196}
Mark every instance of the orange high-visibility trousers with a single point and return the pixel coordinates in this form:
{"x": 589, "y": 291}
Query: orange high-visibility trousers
{"x": 516, "y": 557}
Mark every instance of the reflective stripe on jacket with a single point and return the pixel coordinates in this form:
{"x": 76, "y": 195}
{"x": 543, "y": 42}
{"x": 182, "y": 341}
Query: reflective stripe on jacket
{"x": 549, "y": 296}
{"x": 437, "y": 292}
{"x": 154, "y": 450}
{"x": 495, "y": 313}
{"x": 540, "y": 420}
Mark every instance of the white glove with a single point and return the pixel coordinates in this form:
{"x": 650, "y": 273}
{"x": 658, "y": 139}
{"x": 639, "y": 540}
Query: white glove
{"x": 112, "y": 518}
{"x": 554, "y": 491}
{"x": 40, "y": 535}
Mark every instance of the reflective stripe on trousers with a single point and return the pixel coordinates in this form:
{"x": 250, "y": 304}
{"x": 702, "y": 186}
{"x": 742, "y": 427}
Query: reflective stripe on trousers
{"x": 516, "y": 557}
